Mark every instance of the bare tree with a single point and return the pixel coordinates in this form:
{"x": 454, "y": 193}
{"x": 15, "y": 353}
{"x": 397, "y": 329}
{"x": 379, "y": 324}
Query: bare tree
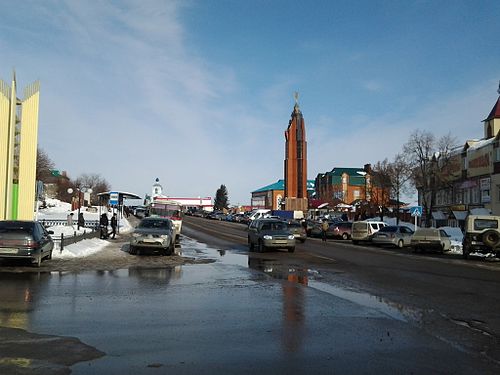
{"x": 381, "y": 185}
{"x": 44, "y": 165}
{"x": 93, "y": 181}
{"x": 401, "y": 174}
{"x": 429, "y": 160}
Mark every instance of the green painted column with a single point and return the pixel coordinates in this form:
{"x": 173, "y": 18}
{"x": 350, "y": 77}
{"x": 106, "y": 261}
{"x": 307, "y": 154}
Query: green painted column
{"x": 15, "y": 200}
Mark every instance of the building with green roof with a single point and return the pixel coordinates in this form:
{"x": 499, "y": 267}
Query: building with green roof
{"x": 271, "y": 196}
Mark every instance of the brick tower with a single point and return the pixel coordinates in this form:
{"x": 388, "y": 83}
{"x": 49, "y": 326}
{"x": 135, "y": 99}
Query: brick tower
{"x": 296, "y": 161}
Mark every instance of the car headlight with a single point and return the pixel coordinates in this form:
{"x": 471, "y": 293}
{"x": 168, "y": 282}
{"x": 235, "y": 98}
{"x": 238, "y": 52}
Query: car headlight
{"x": 164, "y": 236}
{"x": 291, "y": 237}
{"x": 267, "y": 237}
{"x": 136, "y": 234}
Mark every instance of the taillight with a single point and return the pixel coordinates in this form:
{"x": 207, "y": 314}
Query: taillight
{"x": 30, "y": 243}
{"x": 175, "y": 218}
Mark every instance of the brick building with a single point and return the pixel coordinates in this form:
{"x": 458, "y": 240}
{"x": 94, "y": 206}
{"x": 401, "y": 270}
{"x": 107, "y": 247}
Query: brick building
{"x": 349, "y": 185}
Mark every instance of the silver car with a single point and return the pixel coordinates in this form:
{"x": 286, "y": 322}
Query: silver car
{"x": 270, "y": 233}
{"x": 25, "y": 240}
{"x": 153, "y": 234}
{"x": 393, "y": 235}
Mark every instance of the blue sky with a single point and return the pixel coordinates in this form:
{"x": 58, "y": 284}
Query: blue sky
{"x": 199, "y": 93}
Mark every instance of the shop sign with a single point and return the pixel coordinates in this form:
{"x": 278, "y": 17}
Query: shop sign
{"x": 468, "y": 184}
{"x": 479, "y": 162}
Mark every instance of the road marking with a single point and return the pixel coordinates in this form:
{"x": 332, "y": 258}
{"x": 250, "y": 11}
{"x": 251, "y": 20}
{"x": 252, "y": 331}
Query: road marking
{"x": 323, "y": 257}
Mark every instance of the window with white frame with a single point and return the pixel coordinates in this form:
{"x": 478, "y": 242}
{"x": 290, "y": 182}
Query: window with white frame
{"x": 475, "y": 195}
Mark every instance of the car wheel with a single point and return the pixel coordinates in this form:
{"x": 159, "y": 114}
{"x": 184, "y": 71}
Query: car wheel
{"x": 345, "y": 236}
{"x": 171, "y": 248}
{"x": 261, "y": 246}
{"x": 132, "y": 250}
{"x": 291, "y": 249}
{"x": 400, "y": 244}
{"x": 491, "y": 238}
{"x": 465, "y": 252}
{"x": 302, "y": 240}
{"x": 49, "y": 257}
{"x": 166, "y": 251}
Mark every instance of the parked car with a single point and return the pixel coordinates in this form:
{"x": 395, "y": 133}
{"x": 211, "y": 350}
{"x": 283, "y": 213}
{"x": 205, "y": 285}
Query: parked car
{"x": 394, "y": 235}
{"x": 153, "y": 234}
{"x": 342, "y": 230}
{"x": 270, "y": 233}
{"x": 317, "y": 229}
{"x": 430, "y": 239}
{"x": 309, "y": 225}
{"x": 25, "y": 240}
{"x": 364, "y": 230}
{"x": 298, "y": 231}
{"x": 482, "y": 234}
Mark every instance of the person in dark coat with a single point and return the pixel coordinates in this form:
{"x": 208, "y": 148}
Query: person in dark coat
{"x": 114, "y": 224}
{"x": 103, "y": 224}
{"x": 81, "y": 220}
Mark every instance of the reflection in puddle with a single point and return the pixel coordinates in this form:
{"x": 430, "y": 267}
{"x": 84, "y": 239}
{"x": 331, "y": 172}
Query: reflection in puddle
{"x": 306, "y": 277}
{"x": 394, "y": 310}
{"x": 298, "y": 275}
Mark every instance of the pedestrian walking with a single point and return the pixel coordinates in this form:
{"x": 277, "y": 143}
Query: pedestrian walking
{"x": 324, "y": 228}
{"x": 103, "y": 225}
{"x": 81, "y": 220}
{"x": 114, "y": 224}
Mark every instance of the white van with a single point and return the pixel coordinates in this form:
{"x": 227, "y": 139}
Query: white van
{"x": 364, "y": 230}
{"x": 259, "y": 214}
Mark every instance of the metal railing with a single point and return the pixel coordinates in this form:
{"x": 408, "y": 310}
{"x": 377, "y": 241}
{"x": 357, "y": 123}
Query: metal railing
{"x": 68, "y": 240}
{"x": 91, "y": 224}
{"x": 91, "y": 231}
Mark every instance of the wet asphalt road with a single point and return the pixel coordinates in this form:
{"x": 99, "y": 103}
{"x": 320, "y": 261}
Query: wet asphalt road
{"x": 242, "y": 314}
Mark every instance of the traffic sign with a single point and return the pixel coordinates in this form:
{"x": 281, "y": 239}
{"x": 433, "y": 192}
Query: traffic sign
{"x": 416, "y": 211}
{"x": 113, "y": 198}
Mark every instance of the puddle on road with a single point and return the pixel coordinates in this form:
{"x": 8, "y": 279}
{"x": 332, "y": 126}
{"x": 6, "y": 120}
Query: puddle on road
{"x": 307, "y": 277}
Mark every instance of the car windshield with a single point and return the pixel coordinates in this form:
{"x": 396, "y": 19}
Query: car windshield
{"x": 389, "y": 229}
{"x": 157, "y": 224}
{"x": 274, "y": 226}
{"x": 480, "y": 224}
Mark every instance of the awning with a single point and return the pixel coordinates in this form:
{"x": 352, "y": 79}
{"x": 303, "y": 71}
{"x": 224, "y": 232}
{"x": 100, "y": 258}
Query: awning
{"x": 121, "y": 195}
{"x": 460, "y": 215}
{"x": 480, "y": 211}
{"x": 438, "y": 215}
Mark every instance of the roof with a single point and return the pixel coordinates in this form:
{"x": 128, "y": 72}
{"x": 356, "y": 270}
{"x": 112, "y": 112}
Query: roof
{"x": 350, "y": 171}
{"x": 121, "y": 194}
{"x": 280, "y": 185}
{"x": 495, "y": 111}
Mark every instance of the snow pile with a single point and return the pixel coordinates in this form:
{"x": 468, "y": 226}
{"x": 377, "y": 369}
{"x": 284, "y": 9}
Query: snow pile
{"x": 81, "y": 249}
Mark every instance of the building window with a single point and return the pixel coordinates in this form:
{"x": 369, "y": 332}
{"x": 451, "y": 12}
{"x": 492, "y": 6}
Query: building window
{"x": 475, "y": 195}
{"x": 355, "y": 194}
